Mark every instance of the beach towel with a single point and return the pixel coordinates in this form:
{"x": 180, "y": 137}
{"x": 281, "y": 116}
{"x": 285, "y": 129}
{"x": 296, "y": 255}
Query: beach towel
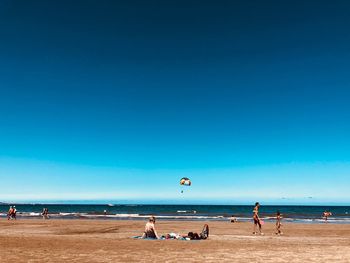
{"x": 147, "y": 238}
{"x": 162, "y": 238}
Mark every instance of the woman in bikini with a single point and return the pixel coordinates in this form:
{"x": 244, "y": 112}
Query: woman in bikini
{"x": 256, "y": 219}
{"x": 278, "y": 223}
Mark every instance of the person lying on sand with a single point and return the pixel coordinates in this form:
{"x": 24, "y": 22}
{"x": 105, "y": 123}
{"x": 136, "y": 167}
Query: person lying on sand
{"x": 203, "y": 235}
{"x": 191, "y": 235}
{"x": 173, "y": 236}
{"x": 150, "y": 230}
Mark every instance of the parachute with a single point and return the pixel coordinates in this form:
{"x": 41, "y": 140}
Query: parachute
{"x": 185, "y": 181}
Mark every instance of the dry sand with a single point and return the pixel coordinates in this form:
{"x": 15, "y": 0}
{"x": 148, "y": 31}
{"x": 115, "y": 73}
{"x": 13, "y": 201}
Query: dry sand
{"x": 109, "y": 241}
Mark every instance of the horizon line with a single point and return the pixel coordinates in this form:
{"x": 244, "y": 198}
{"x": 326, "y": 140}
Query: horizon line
{"x": 167, "y": 202}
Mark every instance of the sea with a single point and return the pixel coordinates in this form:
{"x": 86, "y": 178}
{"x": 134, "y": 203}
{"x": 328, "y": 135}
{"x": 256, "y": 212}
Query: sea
{"x": 291, "y": 213}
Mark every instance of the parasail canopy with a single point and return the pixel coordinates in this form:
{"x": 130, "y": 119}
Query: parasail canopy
{"x": 185, "y": 181}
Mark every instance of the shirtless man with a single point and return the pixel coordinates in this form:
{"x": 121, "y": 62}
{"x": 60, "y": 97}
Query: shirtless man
{"x": 150, "y": 230}
{"x": 326, "y": 214}
{"x": 256, "y": 219}
{"x": 9, "y": 213}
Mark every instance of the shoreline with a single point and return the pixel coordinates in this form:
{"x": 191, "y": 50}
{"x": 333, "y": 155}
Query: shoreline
{"x": 142, "y": 219}
{"x": 200, "y": 213}
{"x": 92, "y": 217}
{"x": 86, "y": 240}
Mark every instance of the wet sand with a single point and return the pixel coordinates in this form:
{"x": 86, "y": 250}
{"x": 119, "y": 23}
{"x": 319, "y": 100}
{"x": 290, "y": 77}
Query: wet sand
{"x": 110, "y": 241}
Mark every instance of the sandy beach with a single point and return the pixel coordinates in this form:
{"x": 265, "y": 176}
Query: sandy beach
{"x": 110, "y": 241}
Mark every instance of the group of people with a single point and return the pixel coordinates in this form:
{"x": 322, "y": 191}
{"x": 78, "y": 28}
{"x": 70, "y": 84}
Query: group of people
{"x": 258, "y": 222}
{"x": 151, "y": 232}
{"x": 150, "y": 229}
{"x": 45, "y": 213}
{"x": 11, "y": 214}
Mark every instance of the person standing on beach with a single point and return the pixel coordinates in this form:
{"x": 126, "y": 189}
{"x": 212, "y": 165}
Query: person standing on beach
{"x": 45, "y": 213}
{"x": 9, "y": 213}
{"x": 233, "y": 219}
{"x": 278, "y": 223}
{"x": 256, "y": 218}
{"x": 326, "y": 214}
{"x": 14, "y": 213}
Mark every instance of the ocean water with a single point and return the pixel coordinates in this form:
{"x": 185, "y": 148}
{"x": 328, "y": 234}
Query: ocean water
{"x": 302, "y": 214}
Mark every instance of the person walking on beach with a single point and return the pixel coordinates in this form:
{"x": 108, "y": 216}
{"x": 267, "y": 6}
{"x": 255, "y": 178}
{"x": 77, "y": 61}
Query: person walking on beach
{"x": 45, "y": 213}
{"x": 278, "y": 223}
{"x": 150, "y": 229}
{"x": 14, "y": 213}
{"x": 9, "y": 213}
{"x": 326, "y": 214}
{"x": 233, "y": 219}
{"x": 256, "y": 219}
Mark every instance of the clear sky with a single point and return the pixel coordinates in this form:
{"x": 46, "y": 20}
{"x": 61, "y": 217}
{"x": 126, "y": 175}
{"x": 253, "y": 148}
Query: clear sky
{"x": 120, "y": 99}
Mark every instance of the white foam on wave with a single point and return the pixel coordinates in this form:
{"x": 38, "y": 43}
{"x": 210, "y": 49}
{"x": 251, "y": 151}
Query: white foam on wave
{"x": 29, "y": 213}
{"x": 179, "y": 216}
{"x": 191, "y": 217}
{"x": 116, "y": 215}
{"x": 65, "y": 214}
{"x": 128, "y": 215}
{"x": 34, "y": 214}
{"x": 185, "y": 211}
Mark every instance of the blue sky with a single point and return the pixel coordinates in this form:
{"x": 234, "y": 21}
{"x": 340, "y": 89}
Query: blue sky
{"x": 111, "y": 100}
